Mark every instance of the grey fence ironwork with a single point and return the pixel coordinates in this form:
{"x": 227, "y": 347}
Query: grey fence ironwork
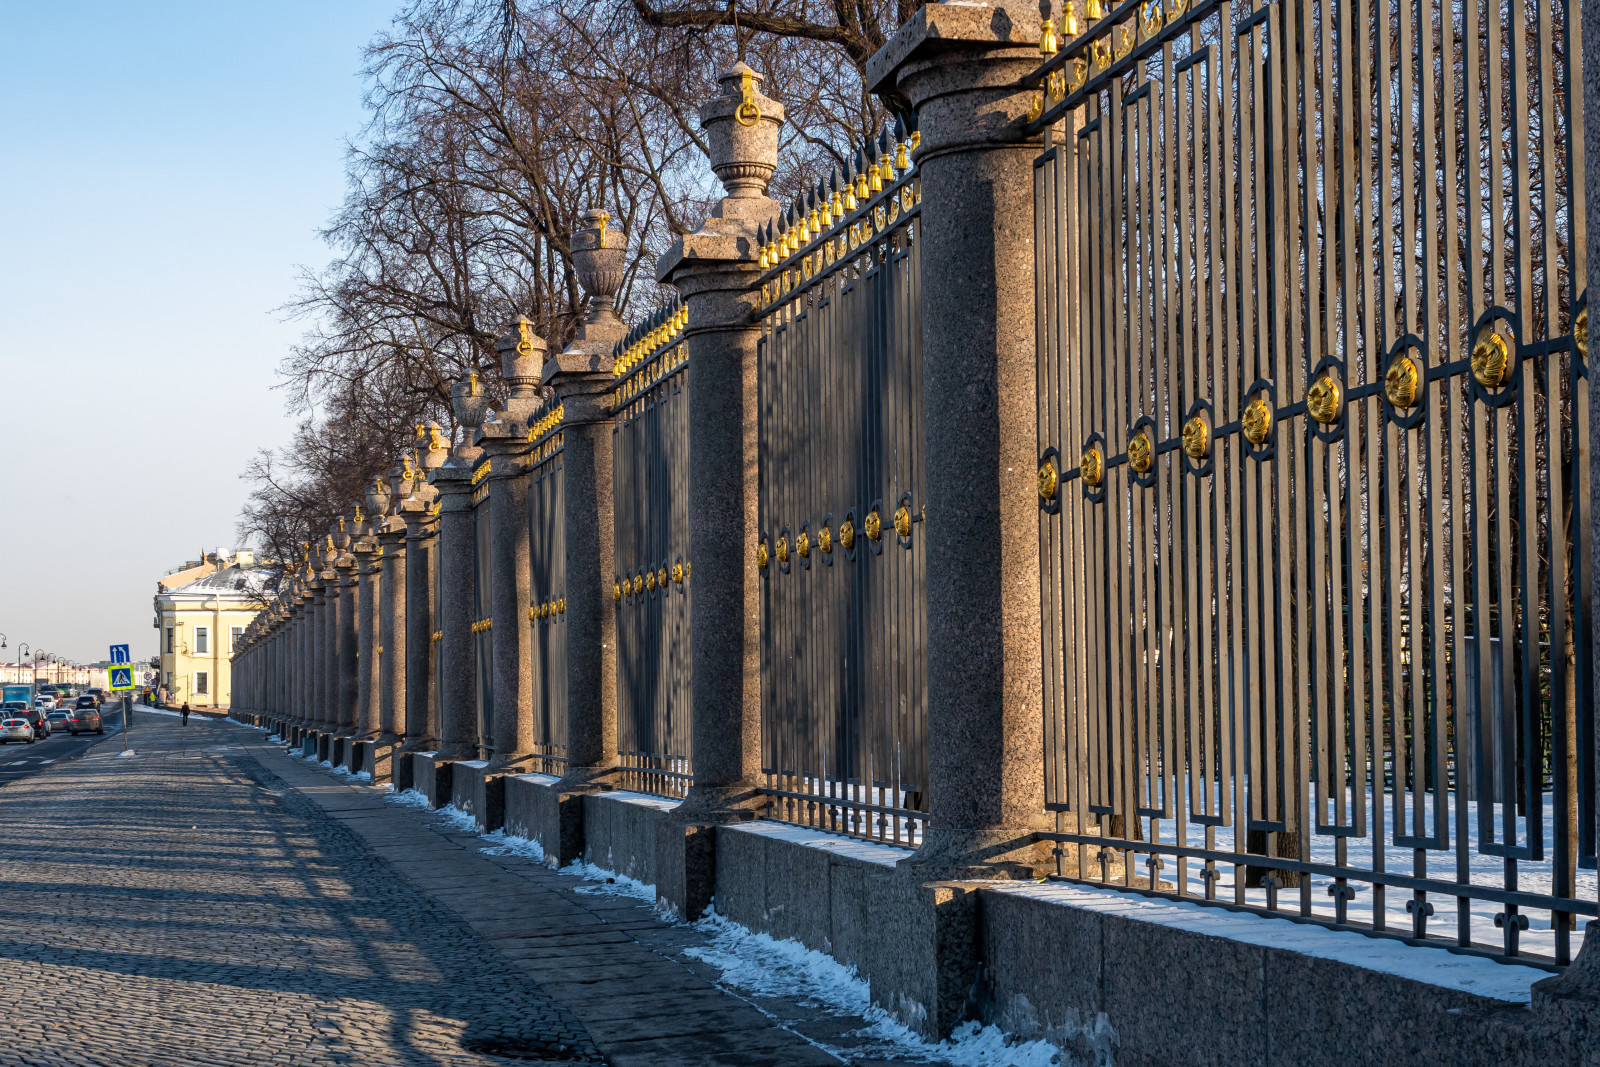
{"x": 482, "y": 607}
{"x": 843, "y": 614}
{"x": 652, "y": 590}
{"x": 1311, "y": 422}
{"x": 547, "y": 587}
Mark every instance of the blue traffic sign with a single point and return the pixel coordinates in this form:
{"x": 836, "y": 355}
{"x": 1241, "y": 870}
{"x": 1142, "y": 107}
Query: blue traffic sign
{"x": 121, "y": 678}
{"x": 119, "y": 654}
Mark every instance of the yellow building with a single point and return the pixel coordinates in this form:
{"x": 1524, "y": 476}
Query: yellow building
{"x": 202, "y": 609}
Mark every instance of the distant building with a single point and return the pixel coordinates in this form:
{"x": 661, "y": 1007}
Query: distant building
{"x": 202, "y": 608}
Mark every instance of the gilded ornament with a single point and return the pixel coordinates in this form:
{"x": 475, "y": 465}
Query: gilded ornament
{"x": 825, "y": 541}
{"x": 1141, "y": 455}
{"x": 847, "y": 534}
{"x": 638, "y": 584}
{"x": 677, "y": 573}
{"x": 1491, "y": 360}
{"x": 1048, "y": 45}
{"x": 1036, "y": 108}
{"x": 616, "y": 590}
{"x": 561, "y": 605}
{"x": 1197, "y": 437}
{"x": 1322, "y": 399}
{"x": 902, "y": 521}
{"x": 1096, "y": 9}
{"x": 1257, "y": 421}
{"x": 783, "y": 550}
{"x": 1580, "y": 333}
{"x": 802, "y": 545}
{"x": 436, "y": 442}
{"x": 1049, "y": 481}
{"x": 524, "y": 334}
{"x": 1079, "y": 75}
{"x": 747, "y": 113}
{"x": 1100, "y": 53}
{"x": 1092, "y": 467}
{"x": 761, "y": 555}
{"x": 650, "y": 581}
{"x": 1153, "y": 19}
{"x": 873, "y": 525}
{"x": 1127, "y": 33}
{"x": 1070, "y": 25}
{"x": 661, "y": 577}
{"x": 1400, "y": 383}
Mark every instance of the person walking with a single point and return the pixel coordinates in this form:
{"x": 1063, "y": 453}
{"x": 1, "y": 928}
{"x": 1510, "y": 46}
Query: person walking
{"x": 185, "y": 713}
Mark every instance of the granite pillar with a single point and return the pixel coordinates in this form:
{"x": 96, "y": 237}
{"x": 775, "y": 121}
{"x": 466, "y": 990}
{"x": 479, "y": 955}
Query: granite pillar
{"x": 715, "y": 270}
{"x": 421, "y": 711}
{"x": 390, "y": 531}
{"x": 369, "y": 569}
{"x": 957, "y": 67}
{"x": 457, "y": 661}
{"x": 581, "y": 376}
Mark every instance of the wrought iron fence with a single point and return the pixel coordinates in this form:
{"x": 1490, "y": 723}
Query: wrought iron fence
{"x": 652, "y": 588}
{"x": 843, "y": 615}
{"x": 482, "y": 607}
{"x": 547, "y": 587}
{"x": 1312, "y": 413}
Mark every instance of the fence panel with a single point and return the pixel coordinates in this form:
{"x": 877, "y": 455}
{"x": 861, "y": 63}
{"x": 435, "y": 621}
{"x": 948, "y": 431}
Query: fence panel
{"x": 482, "y": 607}
{"x": 843, "y": 612}
{"x": 652, "y": 592}
{"x": 1311, "y": 426}
{"x": 547, "y": 588}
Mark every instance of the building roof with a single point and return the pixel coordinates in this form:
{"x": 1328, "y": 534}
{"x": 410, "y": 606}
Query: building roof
{"x": 246, "y": 582}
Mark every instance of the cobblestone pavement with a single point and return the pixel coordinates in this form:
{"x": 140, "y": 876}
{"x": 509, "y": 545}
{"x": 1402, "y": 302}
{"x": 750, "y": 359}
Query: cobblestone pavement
{"x": 169, "y": 908}
{"x": 211, "y": 901}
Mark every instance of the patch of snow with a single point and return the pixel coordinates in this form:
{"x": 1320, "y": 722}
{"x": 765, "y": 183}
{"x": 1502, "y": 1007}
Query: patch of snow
{"x": 511, "y": 845}
{"x": 409, "y": 798}
{"x": 606, "y": 883}
{"x": 127, "y": 752}
{"x": 762, "y": 965}
{"x": 143, "y": 709}
{"x": 854, "y": 848}
{"x": 648, "y": 800}
{"x": 362, "y": 776}
{"x": 458, "y": 819}
{"x": 539, "y": 777}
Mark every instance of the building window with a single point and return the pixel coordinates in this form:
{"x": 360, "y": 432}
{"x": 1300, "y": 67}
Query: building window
{"x": 169, "y": 680}
{"x": 169, "y": 640}
{"x": 201, "y": 683}
{"x": 233, "y": 638}
{"x": 202, "y": 640}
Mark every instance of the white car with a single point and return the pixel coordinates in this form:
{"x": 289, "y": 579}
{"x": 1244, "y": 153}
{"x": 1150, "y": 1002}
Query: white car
{"x": 15, "y": 730}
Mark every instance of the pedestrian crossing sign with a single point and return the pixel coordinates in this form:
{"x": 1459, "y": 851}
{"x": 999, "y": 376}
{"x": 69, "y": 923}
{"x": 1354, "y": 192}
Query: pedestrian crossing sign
{"x": 121, "y": 679}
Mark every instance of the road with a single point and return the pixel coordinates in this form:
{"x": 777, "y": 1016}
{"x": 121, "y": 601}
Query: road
{"x": 19, "y": 760}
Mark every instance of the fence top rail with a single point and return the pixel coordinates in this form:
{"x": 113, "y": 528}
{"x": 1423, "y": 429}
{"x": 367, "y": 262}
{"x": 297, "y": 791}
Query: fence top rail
{"x": 816, "y": 234}
{"x": 651, "y": 350}
{"x": 1093, "y": 56}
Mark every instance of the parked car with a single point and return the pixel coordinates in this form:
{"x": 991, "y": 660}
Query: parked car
{"x": 85, "y": 720}
{"x": 58, "y": 719}
{"x": 15, "y": 728}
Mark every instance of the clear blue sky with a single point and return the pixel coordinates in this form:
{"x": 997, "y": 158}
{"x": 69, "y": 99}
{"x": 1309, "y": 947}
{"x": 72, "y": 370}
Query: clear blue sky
{"x": 164, "y": 168}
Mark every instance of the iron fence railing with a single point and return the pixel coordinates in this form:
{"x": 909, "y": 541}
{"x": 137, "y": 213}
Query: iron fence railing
{"x": 843, "y": 615}
{"x": 482, "y": 608}
{"x": 652, "y": 588}
{"x": 1312, "y": 422}
{"x": 547, "y": 586}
